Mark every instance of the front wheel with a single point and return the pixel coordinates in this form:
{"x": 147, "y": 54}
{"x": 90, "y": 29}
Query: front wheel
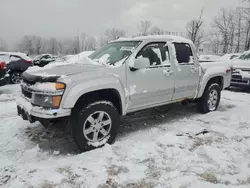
{"x": 95, "y": 125}
{"x": 210, "y": 99}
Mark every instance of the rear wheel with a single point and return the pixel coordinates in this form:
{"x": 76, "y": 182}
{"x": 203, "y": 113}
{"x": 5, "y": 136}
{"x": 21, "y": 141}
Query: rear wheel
{"x": 210, "y": 99}
{"x": 95, "y": 125}
{"x": 15, "y": 77}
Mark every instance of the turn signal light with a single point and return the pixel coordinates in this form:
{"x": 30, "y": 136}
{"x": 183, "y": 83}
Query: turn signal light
{"x": 57, "y": 101}
{"x": 60, "y": 86}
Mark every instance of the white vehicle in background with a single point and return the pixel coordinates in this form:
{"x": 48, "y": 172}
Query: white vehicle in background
{"x": 209, "y": 58}
{"x": 241, "y": 72}
{"x": 230, "y": 57}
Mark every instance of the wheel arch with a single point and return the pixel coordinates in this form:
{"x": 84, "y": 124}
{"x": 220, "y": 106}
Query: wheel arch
{"x": 219, "y": 79}
{"x": 111, "y": 95}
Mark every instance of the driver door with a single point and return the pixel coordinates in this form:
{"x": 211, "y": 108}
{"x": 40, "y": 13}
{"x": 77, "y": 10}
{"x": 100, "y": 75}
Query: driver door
{"x": 154, "y": 85}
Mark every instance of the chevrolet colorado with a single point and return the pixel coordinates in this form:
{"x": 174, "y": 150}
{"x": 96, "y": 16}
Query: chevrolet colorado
{"x": 124, "y": 76}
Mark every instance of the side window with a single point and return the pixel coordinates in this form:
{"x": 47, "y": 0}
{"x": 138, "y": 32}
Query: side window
{"x": 157, "y": 53}
{"x": 183, "y": 53}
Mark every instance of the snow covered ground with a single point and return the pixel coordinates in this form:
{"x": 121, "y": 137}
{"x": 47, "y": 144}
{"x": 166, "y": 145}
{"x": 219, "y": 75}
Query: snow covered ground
{"x": 155, "y": 148}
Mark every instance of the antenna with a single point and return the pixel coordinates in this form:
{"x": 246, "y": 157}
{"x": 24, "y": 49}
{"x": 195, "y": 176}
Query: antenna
{"x": 78, "y": 43}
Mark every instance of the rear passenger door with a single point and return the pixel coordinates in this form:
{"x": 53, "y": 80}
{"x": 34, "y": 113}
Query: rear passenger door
{"x": 187, "y": 77}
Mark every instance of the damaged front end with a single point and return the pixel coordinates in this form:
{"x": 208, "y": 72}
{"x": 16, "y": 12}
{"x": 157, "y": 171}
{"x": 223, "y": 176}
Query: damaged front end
{"x": 41, "y": 98}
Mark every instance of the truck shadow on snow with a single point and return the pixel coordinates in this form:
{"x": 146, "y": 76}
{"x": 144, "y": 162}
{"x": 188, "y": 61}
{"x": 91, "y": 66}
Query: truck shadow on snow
{"x": 57, "y": 141}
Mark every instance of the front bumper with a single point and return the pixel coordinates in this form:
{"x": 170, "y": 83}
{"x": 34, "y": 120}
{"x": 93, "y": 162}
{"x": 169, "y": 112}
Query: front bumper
{"x": 33, "y": 113}
{"x": 4, "y": 80}
{"x": 239, "y": 81}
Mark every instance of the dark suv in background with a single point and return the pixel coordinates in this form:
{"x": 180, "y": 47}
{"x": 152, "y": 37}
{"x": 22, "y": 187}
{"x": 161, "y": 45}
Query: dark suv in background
{"x": 16, "y": 64}
{"x": 43, "y": 59}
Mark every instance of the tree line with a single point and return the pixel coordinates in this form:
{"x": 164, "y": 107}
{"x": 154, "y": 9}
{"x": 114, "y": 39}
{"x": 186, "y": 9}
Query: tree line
{"x": 228, "y": 32}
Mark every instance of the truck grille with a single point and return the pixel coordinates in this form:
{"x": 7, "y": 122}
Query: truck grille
{"x": 237, "y": 77}
{"x": 240, "y": 81}
{"x": 28, "y": 82}
{"x": 26, "y": 93}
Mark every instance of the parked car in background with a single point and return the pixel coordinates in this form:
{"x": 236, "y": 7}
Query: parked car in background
{"x": 209, "y": 58}
{"x": 122, "y": 77}
{"x": 16, "y": 64}
{"x": 229, "y": 57}
{"x": 3, "y": 76}
{"x": 43, "y": 59}
{"x": 241, "y": 71}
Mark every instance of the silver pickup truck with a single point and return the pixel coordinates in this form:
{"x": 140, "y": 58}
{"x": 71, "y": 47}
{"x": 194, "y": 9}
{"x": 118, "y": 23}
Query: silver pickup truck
{"x": 124, "y": 76}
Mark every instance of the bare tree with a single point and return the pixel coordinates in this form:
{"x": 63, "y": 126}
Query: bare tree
{"x": 239, "y": 24}
{"x": 3, "y": 45}
{"x": 224, "y": 25}
{"x": 114, "y": 34}
{"x": 195, "y": 30}
{"x": 144, "y": 27}
{"x": 215, "y": 42}
{"x": 102, "y": 40}
{"x": 76, "y": 45}
{"x": 156, "y": 31}
{"x": 37, "y": 44}
{"x": 247, "y": 35}
{"x": 26, "y": 44}
{"x": 90, "y": 44}
{"x": 83, "y": 38}
{"x": 53, "y": 45}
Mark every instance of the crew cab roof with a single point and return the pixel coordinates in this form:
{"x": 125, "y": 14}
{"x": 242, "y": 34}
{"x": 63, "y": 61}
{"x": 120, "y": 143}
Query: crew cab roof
{"x": 169, "y": 38}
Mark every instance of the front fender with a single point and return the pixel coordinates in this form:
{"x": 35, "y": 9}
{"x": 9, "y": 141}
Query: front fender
{"x": 79, "y": 89}
{"x": 209, "y": 74}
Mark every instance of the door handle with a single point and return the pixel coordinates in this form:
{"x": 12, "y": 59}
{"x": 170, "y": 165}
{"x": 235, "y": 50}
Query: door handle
{"x": 193, "y": 69}
{"x": 167, "y": 72}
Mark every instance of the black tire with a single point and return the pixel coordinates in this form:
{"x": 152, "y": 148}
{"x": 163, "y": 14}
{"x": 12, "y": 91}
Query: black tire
{"x": 15, "y": 74}
{"x": 202, "y": 103}
{"x": 79, "y": 119}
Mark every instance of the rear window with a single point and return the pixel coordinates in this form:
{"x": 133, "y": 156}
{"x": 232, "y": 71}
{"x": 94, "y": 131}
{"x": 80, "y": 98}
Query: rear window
{"x": 25, "y": 57}
{"x": 6, "y": 58}
{"x": 183, "y": 52}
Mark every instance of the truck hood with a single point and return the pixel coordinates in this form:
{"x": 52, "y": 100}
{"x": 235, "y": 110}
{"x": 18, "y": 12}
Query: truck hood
{"x": 241, "y": 64}
{"x": 51, "y": 74}
{"x": 65, "y": 70}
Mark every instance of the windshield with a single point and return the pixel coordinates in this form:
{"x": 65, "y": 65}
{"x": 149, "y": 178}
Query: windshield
{"x": 114, "y": 52}
{"x": 245, "y": 56}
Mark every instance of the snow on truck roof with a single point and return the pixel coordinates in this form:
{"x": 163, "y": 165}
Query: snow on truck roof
{"x": 170, "y": 38}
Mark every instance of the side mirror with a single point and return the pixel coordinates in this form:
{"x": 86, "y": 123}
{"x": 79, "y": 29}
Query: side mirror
{"x": 141, "y": 63}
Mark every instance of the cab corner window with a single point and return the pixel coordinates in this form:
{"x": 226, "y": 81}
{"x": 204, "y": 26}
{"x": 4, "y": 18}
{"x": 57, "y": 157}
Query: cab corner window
{"x": 183, "y": 53}
{"x": 157, "y": 53}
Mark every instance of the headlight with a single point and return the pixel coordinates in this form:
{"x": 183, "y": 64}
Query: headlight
{"x": 47, "y": 101}
{"x": 48, "y": 86}
{"x": 48, "y": 94}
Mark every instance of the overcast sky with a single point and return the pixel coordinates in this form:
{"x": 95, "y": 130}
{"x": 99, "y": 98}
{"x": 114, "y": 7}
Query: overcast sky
{"x": 62, "y": 17}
